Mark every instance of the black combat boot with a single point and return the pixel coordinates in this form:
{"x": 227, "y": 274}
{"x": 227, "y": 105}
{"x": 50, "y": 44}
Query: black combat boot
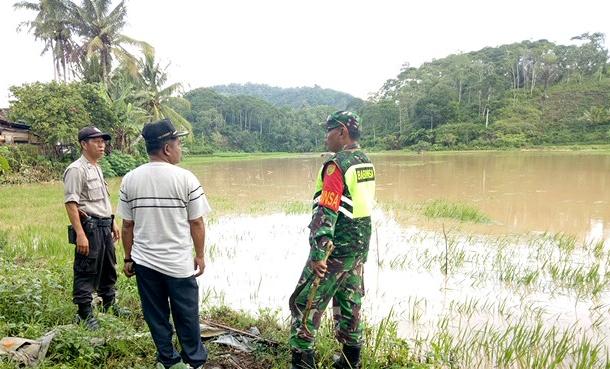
{"x": 349, "y": 359}
{"x": 85, "y": 316}
{"x": 303, "y": 359}
{"x": 110, "y": 306}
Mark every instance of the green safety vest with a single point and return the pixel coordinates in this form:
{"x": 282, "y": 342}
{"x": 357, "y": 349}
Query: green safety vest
{"x": 359, "y": 184}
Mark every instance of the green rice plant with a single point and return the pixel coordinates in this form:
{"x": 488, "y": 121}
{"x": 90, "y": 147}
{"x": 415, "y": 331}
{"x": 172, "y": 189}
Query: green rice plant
{"x": 598, "y": 249}
{"x": 417, "y": 308}
{"x": 454, "y": 210}
{"x": 296, "y": 207}
{"x": 383, "y": 348}
{"x": 565, "y": 242}
{"x": 587, "y": 354}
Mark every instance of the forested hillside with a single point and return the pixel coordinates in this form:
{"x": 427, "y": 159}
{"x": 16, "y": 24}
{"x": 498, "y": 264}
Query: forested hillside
{"x": 251, "y": 124}
{"x": 521, "y": 94}
{"x": 526, "y": 93}
{"x": 296, "y": 97}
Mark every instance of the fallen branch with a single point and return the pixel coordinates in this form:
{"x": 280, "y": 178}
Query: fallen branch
{"x": 243, "y": 333}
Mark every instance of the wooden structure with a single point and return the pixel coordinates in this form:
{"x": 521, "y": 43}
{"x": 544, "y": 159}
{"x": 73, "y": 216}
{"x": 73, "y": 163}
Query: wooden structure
{"x": 15, "y": 133}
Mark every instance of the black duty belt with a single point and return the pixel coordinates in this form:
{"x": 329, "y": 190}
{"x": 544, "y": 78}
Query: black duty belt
{"x": 100, "y": 222}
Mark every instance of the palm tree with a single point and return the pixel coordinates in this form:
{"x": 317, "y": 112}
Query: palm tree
{"x": 52, "y": 25}
{"x": 100, "y": 29}
{"x": 153, "y": 97}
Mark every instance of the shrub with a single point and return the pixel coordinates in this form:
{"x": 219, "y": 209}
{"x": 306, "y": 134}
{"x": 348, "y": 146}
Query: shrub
{"x": 26, "y": 164}
{"x": 5, "y": 168}
{"x": 421, "y": 146}
{"x": 511, "y": 140}
{"x": 118, "y": 163}
{"x": 107, "y": 168}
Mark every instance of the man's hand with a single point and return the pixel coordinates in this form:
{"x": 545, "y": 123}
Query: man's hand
{"x": 318, "y": 267}
{"x": 116, "y": 232}
{"x": 128, "y": 269}
{"x": 199, "y": 265}
{"x": 82, "y": 244}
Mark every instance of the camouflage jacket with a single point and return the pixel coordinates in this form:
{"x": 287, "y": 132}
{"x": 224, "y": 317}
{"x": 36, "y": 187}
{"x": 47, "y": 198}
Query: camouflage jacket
{"x": 350, "y": 235}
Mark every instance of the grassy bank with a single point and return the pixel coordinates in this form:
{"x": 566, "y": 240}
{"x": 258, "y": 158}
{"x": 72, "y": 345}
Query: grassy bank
{"x": 236, "y": 156}
{"x": 588, "y": 148}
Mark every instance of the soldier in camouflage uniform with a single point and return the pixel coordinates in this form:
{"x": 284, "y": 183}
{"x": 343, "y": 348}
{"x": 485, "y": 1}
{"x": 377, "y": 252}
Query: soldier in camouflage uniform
{"x": 342, "y": 207}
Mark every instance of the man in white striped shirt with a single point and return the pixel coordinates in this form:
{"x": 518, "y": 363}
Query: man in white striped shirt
{"x": 162, "y": 206}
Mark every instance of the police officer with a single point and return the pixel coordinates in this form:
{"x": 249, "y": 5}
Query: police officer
{"x": 340, "y": 231}
{"x": 87, "y": 202}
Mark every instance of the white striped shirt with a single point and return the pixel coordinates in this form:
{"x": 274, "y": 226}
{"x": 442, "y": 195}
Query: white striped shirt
{"x": 161, "y": 198}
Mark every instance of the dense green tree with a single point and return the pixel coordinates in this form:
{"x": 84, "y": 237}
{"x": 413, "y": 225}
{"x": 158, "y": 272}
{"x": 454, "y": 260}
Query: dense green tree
{"x": 296, "y": 97}
{"x": 56, "y": 111}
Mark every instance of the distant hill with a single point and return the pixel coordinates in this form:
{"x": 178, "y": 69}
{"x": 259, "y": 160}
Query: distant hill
{"x": 523, "y": 94}
{"x": 295, "y": 97}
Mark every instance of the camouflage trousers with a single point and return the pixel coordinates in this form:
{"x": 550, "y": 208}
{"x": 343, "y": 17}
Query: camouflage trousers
{"x": 344, "y": 284}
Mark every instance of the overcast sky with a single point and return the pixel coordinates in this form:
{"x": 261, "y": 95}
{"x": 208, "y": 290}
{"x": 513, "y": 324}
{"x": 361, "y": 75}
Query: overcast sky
{"x": 352, "y": 46}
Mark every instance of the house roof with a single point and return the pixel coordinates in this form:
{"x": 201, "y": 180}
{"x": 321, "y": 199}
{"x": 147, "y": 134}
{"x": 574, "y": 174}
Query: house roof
{"x": 4, "y": 122}
{"x": 8, "y": 124}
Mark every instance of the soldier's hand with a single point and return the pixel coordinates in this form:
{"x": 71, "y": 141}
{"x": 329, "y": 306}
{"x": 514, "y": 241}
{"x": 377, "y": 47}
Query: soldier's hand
{"x": 128, "y": 269}
{"x": 199, "y": 265}
{"x": 82, "y": 244}
{"x": 319, "y": 267}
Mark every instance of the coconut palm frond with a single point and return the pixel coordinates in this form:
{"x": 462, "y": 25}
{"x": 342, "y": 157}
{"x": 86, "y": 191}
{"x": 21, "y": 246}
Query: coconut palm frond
{"x": 179, "y": 121}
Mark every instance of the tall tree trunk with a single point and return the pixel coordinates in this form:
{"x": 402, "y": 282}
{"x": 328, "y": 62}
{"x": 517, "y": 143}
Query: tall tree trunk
{"x": 533, "y": 83}
{"x": 517, "y": 73}
{"x": 486, "y": 117}
{"x": 55, "y": 78}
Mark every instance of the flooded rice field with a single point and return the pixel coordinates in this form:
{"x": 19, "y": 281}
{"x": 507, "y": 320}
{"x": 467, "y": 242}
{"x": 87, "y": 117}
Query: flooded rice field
{"x": 527, "y": 290}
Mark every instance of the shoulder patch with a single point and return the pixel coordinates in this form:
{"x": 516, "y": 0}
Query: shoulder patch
{"x": 365, "y": 174}
{"x": 330, "y": 169}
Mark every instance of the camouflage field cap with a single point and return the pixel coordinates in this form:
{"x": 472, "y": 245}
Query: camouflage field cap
{"x": 345, "y": 118}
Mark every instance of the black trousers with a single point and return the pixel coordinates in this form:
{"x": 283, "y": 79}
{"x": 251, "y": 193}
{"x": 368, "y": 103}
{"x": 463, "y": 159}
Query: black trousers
{"x": 160, "y": 294}
{"x": 96, "y": 271}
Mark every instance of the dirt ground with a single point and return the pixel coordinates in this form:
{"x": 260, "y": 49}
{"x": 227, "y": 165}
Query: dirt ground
{"x": 232, "y": 359}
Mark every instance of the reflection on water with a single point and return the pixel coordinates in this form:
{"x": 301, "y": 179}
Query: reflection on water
{"x": 520, "y": 191}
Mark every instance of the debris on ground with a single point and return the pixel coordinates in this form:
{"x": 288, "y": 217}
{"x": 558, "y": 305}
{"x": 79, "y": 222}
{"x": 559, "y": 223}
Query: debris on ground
{"x": 239, "y": 346}
{"x": 238, "y": 352}
{"x": 234, "y": 359}
{"x": 252, "y": 335}
{"x": 25, "y": 351}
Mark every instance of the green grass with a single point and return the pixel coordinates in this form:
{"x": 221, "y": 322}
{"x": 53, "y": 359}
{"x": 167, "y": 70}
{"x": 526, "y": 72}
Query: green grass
{"x": 454, "y": 210}
{"x": 575, "y": 148}
{"x": 193, "y": 160}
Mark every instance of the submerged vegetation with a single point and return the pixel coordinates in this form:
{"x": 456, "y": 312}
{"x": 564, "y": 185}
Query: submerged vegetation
{"x": 458, "y": 211}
